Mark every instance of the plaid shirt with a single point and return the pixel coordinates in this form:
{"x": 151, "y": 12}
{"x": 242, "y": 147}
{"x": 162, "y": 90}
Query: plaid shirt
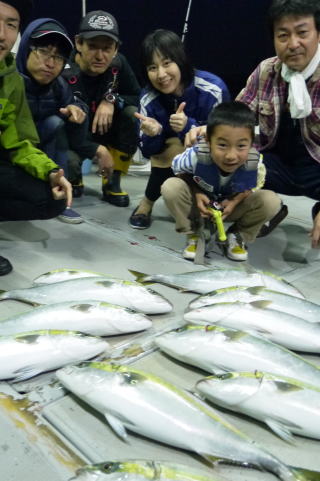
{"x": 266, "y": 94}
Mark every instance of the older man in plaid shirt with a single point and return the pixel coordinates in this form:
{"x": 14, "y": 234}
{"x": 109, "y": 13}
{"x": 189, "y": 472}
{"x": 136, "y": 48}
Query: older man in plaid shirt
{"x": 284, "y": 93}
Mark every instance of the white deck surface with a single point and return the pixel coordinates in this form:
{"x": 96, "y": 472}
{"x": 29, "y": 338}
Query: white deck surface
{"x": 44, "y": 433}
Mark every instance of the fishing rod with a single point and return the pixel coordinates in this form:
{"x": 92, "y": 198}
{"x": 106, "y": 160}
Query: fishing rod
{"x": 185, "y": 27}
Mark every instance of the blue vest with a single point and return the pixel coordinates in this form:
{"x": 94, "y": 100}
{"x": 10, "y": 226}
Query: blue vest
{"x": 207, "y": 177}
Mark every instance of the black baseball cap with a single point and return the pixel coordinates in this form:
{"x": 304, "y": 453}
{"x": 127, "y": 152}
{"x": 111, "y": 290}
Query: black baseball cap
{"x": 98, "y": 23}
{"x": 52, "y": 28}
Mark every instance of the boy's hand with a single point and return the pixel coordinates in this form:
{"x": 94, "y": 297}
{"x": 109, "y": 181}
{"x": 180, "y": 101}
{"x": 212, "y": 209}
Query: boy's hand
{"x": 202, "y": 203}
{"x": 60, "y": 187}
{"x": 228, "y": 207}
{"x": 149, "y": 125}
{"x": 179, "y": 120}
{"x": 73, "y": 113}
{"x": 191, "y": 137}
{"x": 103, "y": 118}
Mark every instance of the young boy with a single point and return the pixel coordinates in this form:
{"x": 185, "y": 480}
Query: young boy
{"x": 222, "y": 168}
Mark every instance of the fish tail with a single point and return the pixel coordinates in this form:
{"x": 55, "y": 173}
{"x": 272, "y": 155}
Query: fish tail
{"x": 3, "y": 295}
{"x": 302, "y": 474}
{"x": 141, "y": 277}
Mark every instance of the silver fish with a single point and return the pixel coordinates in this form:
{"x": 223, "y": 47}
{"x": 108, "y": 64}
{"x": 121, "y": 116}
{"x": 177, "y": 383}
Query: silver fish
{"x": 60, "y": 275}
{"x": 285, "y": 329}
{"x": 152, "y": 407}
{"x": 217, "y": 349}
{"x": 91, "y": 317}
{"x": 286, "y": 405}
{"x": 28, "y": 354}
{"x": 140, "y": 470}
{"x": 206, "y": 281}
{"x": 276, "y": 300}
{"x": 116, "y": 291}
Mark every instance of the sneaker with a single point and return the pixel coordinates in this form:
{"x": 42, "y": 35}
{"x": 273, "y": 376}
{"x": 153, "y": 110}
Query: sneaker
{"x": 70, "y": 216}
{"x": 190, "y": 250}
{"x": 272, "y": 224}
{"x": 236, "y": 250}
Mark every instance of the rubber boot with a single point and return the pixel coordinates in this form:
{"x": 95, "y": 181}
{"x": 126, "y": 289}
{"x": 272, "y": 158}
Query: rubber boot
{"x": 111, "y": 189}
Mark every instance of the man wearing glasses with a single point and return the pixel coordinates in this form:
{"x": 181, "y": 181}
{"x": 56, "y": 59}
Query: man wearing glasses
{"x": 32, "y": 186}
{"x": 58, "y": 115}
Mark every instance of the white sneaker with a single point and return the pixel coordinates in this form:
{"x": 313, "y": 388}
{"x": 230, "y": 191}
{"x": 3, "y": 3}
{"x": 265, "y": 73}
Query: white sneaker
{"x": 236, "y": 250}
{"x": 191, "y": 247}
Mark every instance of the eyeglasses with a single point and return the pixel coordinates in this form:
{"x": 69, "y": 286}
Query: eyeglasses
{"x": 44, "y": 54}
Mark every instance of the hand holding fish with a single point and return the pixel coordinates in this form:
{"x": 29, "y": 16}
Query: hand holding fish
{"x": 203, "y": 202}
{"x": 148, "y": 125}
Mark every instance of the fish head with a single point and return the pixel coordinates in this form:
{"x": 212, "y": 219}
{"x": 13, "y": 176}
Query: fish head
{"x": 76, "y": 345}
{"x": 116, "y": 471}
{"x": 180, "y": 340}
{"x": 149, "y": 301}
{"x": 80, "y": 379}
{"x": 229, "y": 389}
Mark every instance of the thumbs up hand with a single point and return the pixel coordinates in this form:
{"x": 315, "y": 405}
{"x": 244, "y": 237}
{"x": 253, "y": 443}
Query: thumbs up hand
{"x": 178, "y": 120}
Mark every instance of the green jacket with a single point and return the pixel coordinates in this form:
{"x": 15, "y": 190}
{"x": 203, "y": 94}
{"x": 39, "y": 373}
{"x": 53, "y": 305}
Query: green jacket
{"x": 18, "y": 134}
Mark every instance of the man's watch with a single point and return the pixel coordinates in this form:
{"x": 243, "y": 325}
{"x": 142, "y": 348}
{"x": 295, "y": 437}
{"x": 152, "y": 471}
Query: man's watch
{"x": 110, "y": 97}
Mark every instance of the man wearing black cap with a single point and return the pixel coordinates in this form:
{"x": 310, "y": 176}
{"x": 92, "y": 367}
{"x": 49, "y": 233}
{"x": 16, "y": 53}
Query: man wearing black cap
{"x": 31, "y": 185}
{"x": 59, "y": 116}
{"x": 103, "y": 78}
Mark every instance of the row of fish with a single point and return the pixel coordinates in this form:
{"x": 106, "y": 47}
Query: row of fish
{"x": 56, "y": 334}
{"x": 150, "y": 406}
{"x": 143, "y": 403}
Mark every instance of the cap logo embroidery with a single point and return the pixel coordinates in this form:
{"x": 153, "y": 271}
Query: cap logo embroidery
{"x": 101, "y": 22}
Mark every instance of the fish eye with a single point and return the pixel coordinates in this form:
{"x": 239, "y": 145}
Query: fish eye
{"x": 110, "y": 467}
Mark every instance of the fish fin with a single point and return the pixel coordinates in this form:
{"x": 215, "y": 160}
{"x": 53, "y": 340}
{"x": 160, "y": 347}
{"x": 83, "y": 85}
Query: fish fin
{"x": 260, "y": 304}
{"x": 211, "y": 459}
{"x": 26, "y": 373}
{"x": 2, "y": 292}
{"x": 281, "y": 430}
{"x": 305, "y": 474}
{"x": 117, "y": 426}
{"x": 140, "y": 277}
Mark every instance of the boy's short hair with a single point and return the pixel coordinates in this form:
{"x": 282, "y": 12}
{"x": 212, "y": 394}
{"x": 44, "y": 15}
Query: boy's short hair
{"x": 234, "y": 114}
{"x": 282, "y": 8}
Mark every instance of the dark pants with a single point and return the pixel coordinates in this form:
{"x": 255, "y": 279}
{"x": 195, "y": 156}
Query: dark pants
{"x": 58, "y": 136}
{"x": 299, "y": 177}
{"x": 157, "y": 177}
{"x": 122, "y": 136}
{"x": 23, "y": 197}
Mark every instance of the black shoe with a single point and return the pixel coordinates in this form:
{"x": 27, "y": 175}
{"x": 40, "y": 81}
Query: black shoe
{"x": 120, "y": 199}
{"x": 315, "y": 209}
{"x": 140, "y": 221}
{"x": 5, "y": 266}
{"x": 272, "y": 224}
{"x": 112, "y": 192}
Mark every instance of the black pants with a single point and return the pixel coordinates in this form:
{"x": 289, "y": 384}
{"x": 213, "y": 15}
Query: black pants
{"x": 157, "y": 176}
{"x": 23, "y": 197}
